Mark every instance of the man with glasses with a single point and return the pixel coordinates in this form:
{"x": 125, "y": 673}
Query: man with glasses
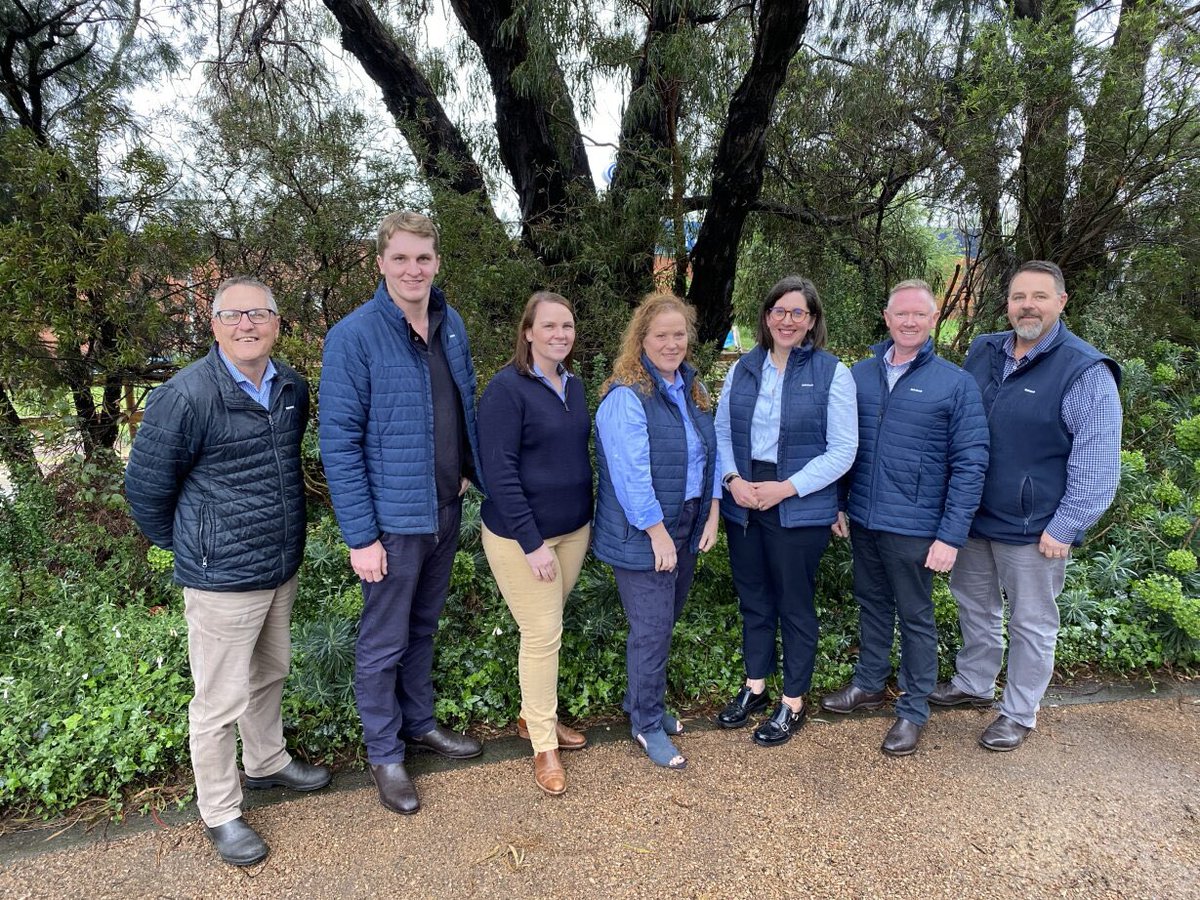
{"x": 214, "y": 475}
{"x": 1055, "y": 420}
{"x": 398, "y": 445}
{"x": 922, "y": 453}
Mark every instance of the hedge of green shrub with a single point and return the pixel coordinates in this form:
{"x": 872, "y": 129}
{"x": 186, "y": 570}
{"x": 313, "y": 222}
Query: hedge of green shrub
{"x": 94, "y": 682}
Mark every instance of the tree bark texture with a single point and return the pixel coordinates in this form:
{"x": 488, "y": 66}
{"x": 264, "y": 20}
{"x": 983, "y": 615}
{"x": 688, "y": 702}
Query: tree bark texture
{"x": 739, "y": 161}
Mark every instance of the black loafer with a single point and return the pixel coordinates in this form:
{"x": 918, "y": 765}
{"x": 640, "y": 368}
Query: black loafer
{"x": 295, "y": 776}
{"x": 779, "y": 728}
{"x": 448, "y": 743}
{"x": 1003, "y": 735}
{"x": 238, "y": 843}
{"x": 737, "y": 711}
{"x": 852, "y": 697}
{"x": 396, "y": 790}
{"x": 946, "y": 694}
{"x": 902, "y": 737}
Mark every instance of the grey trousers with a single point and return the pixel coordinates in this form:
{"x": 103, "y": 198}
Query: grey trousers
{"x": 240, "y": 650}
{"x": 985, "y": 574}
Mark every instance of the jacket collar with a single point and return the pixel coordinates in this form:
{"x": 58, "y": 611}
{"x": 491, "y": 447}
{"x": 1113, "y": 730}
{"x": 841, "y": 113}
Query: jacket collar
{"x": 920, "y": 359}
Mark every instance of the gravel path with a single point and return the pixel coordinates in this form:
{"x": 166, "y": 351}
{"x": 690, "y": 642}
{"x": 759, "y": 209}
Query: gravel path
{"x": 1102, "y": 801}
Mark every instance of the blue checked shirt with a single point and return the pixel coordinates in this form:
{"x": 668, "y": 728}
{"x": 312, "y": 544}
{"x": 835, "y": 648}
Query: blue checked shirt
{"x": 1091, "y": 412}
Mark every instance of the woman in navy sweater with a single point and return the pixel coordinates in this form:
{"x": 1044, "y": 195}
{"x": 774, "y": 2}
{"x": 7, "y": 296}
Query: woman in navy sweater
{"x": 533, "y": 440}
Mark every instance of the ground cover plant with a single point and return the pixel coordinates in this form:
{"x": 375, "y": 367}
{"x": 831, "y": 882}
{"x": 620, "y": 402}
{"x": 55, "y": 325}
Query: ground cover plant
{"x": 94, "y": 682}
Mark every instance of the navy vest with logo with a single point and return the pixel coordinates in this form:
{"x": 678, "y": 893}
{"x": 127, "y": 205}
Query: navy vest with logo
{"x": 614, "y": 539}
{"x": 1027, "y": 470}
{"x": 802, "y": 422}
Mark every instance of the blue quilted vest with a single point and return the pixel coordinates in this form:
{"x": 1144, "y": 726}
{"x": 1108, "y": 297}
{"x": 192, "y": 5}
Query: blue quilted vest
{"x": 802, "y": 422}
{"x": 614, "y": 539}
{"x": 1027, "y": 474}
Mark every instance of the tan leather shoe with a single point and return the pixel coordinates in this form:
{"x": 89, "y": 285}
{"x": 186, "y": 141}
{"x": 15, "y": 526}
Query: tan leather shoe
{"x": 568, "y": 738}
{"x": 548, "y": 773}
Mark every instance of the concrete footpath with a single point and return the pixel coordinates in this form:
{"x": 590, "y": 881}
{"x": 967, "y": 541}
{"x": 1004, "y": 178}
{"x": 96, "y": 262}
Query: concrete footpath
{"x": 1102, "y": 801}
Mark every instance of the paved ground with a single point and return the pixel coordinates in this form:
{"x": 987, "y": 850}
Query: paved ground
{"x": 1102, "y": 801}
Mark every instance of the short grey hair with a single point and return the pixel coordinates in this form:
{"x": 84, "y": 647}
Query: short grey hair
{"x": 913, "y": 284}
{"x": 247, "y": 281}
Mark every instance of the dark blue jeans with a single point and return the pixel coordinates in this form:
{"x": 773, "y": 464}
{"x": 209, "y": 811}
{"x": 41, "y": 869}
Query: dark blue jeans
{"x": 775, "y": 575}
{"x": 890, "y": 582}
{"x": 393, "y": 676}
{"x": 653, "y": 602}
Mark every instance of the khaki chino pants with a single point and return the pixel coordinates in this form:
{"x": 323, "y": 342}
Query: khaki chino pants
{"x": 239, "y": 649}
{"x": 537, "y": 607}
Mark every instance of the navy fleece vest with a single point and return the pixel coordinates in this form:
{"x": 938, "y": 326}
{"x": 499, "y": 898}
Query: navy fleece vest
{"x": 1027, "y": 472}
{"x": 802, "y": 424}
{"x": 614, "y": 539}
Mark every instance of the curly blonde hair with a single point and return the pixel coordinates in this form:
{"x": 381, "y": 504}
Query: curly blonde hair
{"x": 628, "y": 369}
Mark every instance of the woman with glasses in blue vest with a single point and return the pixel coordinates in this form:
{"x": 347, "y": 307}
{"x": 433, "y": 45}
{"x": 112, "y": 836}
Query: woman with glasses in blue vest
{"x": 656, "y": 505}
{"x": 787, "y": 430}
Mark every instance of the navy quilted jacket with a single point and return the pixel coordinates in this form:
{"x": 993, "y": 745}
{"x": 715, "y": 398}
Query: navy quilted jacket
{"x": 376, "y": 419}
{"x": 216, "y": 478}
{"x": 922, "y": 449}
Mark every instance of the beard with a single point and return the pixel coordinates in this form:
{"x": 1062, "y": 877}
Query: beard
{"x": 1030, "y": 331}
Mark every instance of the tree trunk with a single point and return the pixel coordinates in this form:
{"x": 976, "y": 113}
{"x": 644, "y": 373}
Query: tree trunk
{"x": 440, "y": 149}
{"x": 540, "y": 141}
{"x": 738, "y": 164}
{"x": 16, "y": 443}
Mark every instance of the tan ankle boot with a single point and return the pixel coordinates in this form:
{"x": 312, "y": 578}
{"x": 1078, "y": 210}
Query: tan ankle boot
{"x": 548, "y": 773}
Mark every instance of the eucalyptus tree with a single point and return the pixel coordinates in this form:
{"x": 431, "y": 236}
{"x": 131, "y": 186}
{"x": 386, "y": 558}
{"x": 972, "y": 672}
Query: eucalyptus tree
{"x": 77, "y": 212}
{"x": 537, "y": 62}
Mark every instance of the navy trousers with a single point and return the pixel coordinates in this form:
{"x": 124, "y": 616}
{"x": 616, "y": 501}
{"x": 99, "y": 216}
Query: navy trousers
{"x": 653, "y": 602}
{"x": 775, "y": 574}
{"x": 890, "y": 581}
{"x": 393, "y": 677}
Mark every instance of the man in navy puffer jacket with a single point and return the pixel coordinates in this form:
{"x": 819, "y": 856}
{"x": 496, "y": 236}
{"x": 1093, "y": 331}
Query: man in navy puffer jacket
{"x": 398, "y": 445}
{"x": 214, "y": 475}
{"x": 922, "y": 454}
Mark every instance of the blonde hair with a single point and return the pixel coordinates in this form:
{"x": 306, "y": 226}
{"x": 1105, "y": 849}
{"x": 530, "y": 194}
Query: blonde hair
{"x": 628, "y": 369}
{"x": 404, "y": 220}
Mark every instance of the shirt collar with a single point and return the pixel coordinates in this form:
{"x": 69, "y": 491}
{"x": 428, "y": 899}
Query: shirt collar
{"x": 1010, "y": 342}
{"x": 240, "y": 377}
{"x": 562, "y": 371}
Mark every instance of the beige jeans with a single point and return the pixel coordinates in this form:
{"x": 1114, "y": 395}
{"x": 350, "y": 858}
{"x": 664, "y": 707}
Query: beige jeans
{"x": 239, "y": 649}
{"x": 537, "y": 607}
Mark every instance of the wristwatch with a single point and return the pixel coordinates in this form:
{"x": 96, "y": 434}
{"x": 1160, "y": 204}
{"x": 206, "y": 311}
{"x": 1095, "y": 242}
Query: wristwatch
{"x": 728, "y": 479}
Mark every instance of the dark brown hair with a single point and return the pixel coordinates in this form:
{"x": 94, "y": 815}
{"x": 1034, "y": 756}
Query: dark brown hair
{"x": 817, "y": 335}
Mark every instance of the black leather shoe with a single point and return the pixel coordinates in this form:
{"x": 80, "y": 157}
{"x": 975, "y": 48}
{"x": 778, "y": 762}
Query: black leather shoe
{"x": 1003, "y": 735}
{"x": 852, "y": 697}
{"x": 902, "y": 737}
{"x": 737, "y": 712}
{"x": 238, "y": 843}
{"x": 295, "y": 776}
{"x": 946, "y": 694}
{"x": 396, "y": 790}
{"x": 778, "y": 729}
{"x": 448, "y": 743}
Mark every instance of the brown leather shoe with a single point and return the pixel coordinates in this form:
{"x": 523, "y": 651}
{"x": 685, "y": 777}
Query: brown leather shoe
{"x": 548, "y": 773}
{"x": 568, "y": 738}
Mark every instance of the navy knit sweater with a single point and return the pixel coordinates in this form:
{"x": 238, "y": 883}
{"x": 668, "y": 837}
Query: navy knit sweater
{"x": 534, "y": 451}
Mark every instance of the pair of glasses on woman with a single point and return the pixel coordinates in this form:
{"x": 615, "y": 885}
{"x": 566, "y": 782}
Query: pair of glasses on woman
{"x": 259, "y": 316}
{"x": 778, "y": 314}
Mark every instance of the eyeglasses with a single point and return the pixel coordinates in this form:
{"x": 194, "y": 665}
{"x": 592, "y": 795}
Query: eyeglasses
{"x": 259, "y": 316}
{"x": 778, "y": 314}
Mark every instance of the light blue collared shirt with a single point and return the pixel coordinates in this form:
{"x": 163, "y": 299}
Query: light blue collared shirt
{"x": 261, "y": 396}
{"x": 563, "y": 375}
{"x": 841, "y": 429}
{"x": 1091, "y": 412}
{"x": 892, "y": 370}
{"x": 621, "y": 424}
